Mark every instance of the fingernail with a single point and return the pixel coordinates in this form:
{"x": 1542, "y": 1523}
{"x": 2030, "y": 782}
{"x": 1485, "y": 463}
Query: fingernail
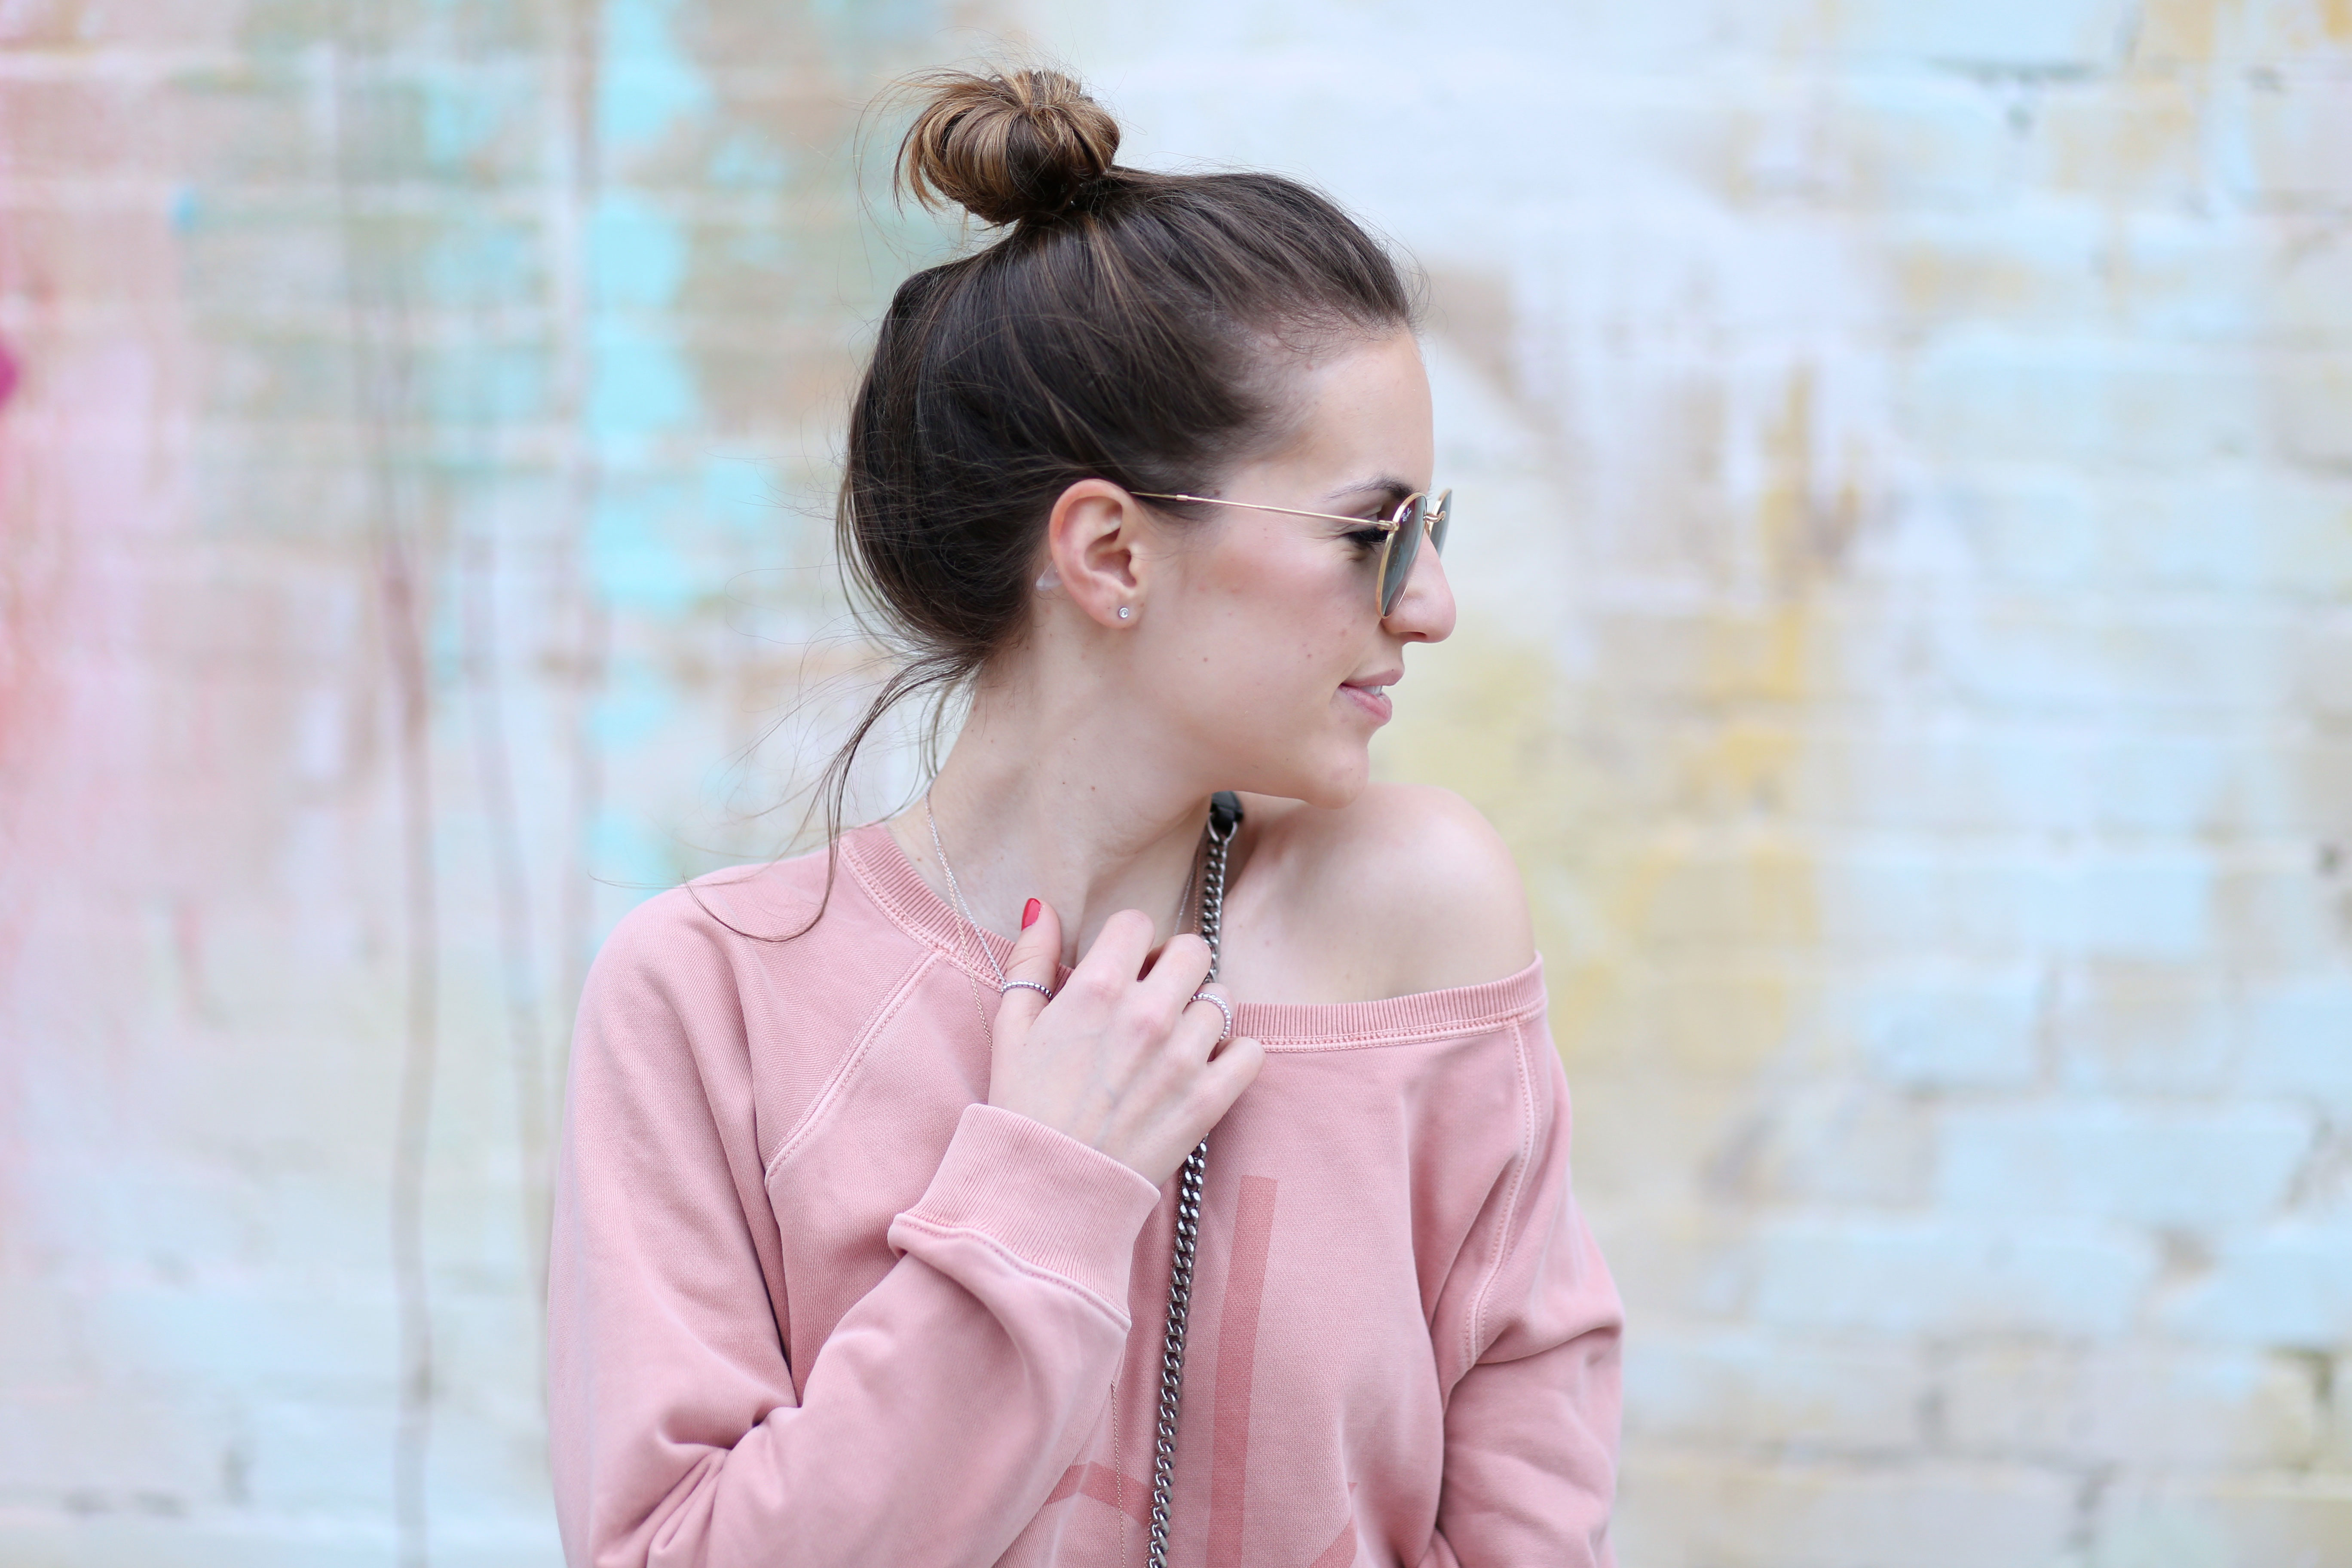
{"x": 1029, "y": 914}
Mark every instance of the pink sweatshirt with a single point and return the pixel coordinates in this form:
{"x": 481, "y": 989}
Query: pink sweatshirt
{"x": 813, "y": 1301}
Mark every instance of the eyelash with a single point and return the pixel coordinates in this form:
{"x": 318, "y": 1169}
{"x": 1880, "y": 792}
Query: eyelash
{"x": 1366, "y": 539}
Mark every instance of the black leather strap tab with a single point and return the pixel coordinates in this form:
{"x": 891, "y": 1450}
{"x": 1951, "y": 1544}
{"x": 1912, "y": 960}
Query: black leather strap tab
{"x": 1224, "y": 813}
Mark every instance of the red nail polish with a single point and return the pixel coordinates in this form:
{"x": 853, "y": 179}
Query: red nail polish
{"x": 1029, "y": 914}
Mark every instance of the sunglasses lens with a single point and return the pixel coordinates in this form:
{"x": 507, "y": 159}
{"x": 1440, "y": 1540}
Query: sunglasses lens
{"x": 1441, "y": 517}
{"x": 1405, "y": 549}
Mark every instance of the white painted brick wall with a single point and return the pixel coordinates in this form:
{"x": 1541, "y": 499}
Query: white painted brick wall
{"x": 1906, "y": 564}
{"x": 2134, "y": 1405}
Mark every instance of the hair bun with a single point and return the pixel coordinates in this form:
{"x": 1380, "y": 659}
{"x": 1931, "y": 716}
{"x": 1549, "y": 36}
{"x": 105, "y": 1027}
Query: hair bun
{"x": 1008, "y": 148}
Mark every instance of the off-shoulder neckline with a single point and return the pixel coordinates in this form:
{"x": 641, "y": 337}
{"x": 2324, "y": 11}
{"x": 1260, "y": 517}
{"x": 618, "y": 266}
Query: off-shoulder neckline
{"x": 889, "y": 878}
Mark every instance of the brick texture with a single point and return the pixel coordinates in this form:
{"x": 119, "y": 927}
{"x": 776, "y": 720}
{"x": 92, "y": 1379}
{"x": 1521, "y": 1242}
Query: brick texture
{"x": 1906, "y": 583}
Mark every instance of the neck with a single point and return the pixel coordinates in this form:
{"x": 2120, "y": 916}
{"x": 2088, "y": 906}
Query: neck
{"x": 1076, "y": 804}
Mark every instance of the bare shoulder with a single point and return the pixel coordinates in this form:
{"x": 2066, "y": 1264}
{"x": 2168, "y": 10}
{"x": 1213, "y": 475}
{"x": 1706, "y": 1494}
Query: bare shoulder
{"x": 1410, "y": 879}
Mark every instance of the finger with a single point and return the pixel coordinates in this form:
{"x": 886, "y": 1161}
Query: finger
{"x": 1183, "y": 965}
{"x": 1118, "y": 954}
{"x": 1037, "y": 957}
{"x": 1200, "y": 1025}
{"x": 1229, "y": 1072}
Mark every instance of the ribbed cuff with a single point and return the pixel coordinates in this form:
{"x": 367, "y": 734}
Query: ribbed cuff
{"x": 1042, "y": 1197}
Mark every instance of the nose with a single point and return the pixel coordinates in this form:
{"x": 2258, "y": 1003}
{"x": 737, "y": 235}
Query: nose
{"x": 1424, "y": 611}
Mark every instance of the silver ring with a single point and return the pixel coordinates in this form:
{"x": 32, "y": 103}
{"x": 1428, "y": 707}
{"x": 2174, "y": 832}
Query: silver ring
{"x": 1221, "y": 1008}
{"x": 1044, "y": 991}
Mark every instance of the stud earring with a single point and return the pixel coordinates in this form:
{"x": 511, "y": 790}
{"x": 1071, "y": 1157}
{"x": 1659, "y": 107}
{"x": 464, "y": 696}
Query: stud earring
{"x": 1048, "y": 578}
{"x": 1124, "y": 612}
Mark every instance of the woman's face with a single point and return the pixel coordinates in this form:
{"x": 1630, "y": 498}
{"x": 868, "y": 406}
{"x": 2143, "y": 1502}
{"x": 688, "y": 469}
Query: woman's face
{"x": 1263, "y": 630}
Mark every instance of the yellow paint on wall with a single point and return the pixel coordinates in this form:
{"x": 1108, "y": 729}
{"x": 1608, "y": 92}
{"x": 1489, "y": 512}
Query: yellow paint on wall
{"x": 2133, "y": 139}
{"x": 1480, "y": 716}
{"x": 2173, "y": 30}
{"x": 1746, "y": 765}
{"x": 1671, "y": 891}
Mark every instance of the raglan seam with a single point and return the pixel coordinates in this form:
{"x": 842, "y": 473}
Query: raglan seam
{"x": 825, "y": 1098}
{"x": 889, "y": 911}
{"x": 756, "y": 979}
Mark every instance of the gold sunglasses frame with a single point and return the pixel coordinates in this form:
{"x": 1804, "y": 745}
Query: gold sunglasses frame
{"x": 1434, "y": 519}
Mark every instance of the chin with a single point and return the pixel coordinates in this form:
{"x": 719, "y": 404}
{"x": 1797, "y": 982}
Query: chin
{"x": 1337, "y": 795}
{"x": 1325, "y": 766}
{"x": 1329, "y": 787}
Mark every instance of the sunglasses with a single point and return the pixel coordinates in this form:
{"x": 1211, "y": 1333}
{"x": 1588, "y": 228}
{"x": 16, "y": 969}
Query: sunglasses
{"x": 1402, "y": 529}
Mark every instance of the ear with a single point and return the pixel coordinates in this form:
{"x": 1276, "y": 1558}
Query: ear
{"x": 1096, "y": 543}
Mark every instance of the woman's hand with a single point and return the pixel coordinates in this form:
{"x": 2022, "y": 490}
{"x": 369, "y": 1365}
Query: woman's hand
{"x": 1130, "y": 1067}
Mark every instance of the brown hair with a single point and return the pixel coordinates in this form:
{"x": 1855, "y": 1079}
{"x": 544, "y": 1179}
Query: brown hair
{"x": 1128, "y": 325}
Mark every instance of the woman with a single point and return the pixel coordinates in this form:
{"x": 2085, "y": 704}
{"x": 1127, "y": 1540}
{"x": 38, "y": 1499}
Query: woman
{"x": 866, "y": 1238}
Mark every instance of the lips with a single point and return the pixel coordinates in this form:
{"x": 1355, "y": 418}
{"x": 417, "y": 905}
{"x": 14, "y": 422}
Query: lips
{"x": 1371, "y": 695}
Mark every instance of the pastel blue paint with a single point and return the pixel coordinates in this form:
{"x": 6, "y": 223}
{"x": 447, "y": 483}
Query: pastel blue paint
{"x": 1972, "y": 1034}
{"x": 2148, "y": 908}
{"x": 646, "y": 84}
{"x": 630, "y": 855}
{"x": 2298, "y": 1041}
{"x": 483, "y": 264}
{"x": 852, "y": 20}
{"x": 1915, "y": 1276}
{"x": 484, "y": 385}
{"x": 458, "y": 123}
{"x": 747, "y": 164}
{"x": 634, "y": 547}
{"x": 641, "y": 387}
{"x": 2171, "y": 1168}
{"x": 637, "y": 704}
{"x": 745, "y": 500}
{"x": 2289, "y": 1285}
{"x": 636, "y": 254}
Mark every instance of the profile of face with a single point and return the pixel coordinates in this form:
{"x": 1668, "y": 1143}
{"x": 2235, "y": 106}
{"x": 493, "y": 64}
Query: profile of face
{"x": 1254, "y": 642}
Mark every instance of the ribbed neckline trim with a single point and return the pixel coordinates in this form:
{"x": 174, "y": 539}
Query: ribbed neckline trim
{"x": 898, "y": 888}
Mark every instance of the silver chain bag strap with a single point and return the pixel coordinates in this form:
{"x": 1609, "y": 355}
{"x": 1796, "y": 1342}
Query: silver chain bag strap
{"x": 1224, "y": 821}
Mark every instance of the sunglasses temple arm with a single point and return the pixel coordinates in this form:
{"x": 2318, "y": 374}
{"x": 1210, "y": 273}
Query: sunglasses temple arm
{"x": 1389, "y": 523}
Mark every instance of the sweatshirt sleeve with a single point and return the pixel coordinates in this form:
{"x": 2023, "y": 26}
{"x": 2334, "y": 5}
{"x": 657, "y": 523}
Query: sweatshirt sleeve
{"x": 943, "y": 1406}
{"x": 1531, "y": 1425}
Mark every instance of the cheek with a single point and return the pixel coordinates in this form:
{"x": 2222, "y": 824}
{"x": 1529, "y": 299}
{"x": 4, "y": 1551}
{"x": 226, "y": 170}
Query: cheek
{"x": 1290, "y": 624}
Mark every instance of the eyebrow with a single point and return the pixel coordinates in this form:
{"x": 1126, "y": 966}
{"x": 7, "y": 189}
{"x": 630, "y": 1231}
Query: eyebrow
{"x": 1395, "y": 488}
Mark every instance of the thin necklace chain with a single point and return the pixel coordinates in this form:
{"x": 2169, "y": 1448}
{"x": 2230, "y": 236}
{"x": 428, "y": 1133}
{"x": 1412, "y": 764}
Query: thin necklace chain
{"x": 954, "y": 888}
{"x": 963, "y": 909}
{"x": 1183, "y": 898}
{"x": 1209, "y": 871}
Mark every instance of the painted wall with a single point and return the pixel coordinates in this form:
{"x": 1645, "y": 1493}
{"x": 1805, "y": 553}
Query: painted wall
{"x": 1905, "y": 459}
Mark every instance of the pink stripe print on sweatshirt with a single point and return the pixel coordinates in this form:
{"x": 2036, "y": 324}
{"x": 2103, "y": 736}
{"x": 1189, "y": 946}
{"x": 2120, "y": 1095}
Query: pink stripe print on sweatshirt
{"x": 1236, "y": 1360}
{"x": 811, "y": 1300}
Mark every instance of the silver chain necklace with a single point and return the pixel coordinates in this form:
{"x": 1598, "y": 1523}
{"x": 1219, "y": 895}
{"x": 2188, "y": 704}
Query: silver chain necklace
{"x": 1224, "y": 821}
